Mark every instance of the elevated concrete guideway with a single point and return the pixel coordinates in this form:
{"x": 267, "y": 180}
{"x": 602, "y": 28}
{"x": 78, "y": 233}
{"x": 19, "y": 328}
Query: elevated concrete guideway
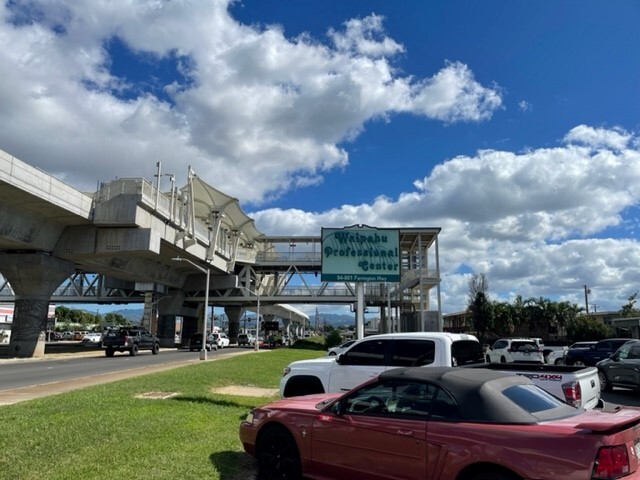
{"x": 118, "y": 244}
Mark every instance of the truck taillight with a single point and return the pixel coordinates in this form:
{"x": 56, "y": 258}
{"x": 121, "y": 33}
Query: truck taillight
{"x": 126, "y": 340}
{"x": 611, "y": 462}
{"x": 572, "y": 393}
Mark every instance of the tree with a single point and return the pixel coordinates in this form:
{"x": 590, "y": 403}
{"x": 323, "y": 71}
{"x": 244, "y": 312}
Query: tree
{"x": 503, "y": 319}
{"x": 478, "y": 283}
{"x": 629, "y": 309}
{"x": 585, "y": 328}
{"x": 481, "y": 315}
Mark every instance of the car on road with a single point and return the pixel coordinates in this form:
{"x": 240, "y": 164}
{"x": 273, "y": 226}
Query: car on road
{"x": 622, "y": 369}
{"x": 592, "y": 355}
{"x": 195, "y": 342}
{"x": 340, "y": 348}
{"x": 443, "y": 422}
{"x": 510, "y": 350}
{"x": 246, "y": 340}
{"x": 221, "y": 339}
{"x": 129, "y": 339}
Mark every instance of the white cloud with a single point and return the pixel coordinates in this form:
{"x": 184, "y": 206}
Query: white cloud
{"x": 523, "y": 219}
{"x": 615, "y": 138}
{"x": 258, "y": 101}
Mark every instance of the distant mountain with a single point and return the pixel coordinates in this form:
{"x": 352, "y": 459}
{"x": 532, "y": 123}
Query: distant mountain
{"x": 133, "y": 315}
{"x": 334, "y": 319}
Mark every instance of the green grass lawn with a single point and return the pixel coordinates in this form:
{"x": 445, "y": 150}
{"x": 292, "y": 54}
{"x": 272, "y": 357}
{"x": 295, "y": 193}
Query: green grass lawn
{"x": 106, "y": 432}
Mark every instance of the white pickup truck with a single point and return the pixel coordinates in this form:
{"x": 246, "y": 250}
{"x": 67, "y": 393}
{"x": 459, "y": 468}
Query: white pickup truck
{"x": 371, "y": 355}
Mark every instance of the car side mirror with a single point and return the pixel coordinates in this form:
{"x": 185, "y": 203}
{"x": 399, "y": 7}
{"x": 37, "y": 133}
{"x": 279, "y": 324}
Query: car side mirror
{"x": 337, "y": 408}
{"x": 340, "y": 359}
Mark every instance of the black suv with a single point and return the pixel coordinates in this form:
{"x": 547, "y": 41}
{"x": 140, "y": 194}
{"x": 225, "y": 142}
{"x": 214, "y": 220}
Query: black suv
{"x": 195, "y": 342}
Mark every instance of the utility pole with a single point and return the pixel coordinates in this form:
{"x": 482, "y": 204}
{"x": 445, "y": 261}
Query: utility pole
{"x": 587, "y": 291}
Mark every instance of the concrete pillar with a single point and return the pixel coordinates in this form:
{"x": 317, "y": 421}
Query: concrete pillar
{"x": 173, "y": 317}
{"x": 33, "y": 277}
{"x": 233, "y": 314}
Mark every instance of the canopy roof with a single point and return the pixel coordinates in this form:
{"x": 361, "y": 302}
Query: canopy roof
{"x": 208, "y": 200}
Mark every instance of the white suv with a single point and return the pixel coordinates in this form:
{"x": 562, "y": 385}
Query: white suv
{"x": 510, "y": 350}
{"x": 221, "y": 340}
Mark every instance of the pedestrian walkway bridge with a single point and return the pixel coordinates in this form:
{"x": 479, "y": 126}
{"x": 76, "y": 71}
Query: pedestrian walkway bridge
{"x": 120, "y": 245}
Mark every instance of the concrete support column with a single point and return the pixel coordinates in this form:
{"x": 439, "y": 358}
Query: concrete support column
{"x": 33, "y": 277}
{"x": 233, "y": 314}
{"x": 173, "y": 316}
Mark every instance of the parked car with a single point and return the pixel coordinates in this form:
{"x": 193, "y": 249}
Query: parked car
{"x": 221, "y": 339}
{"x": 509, "y": 350}
{"x": 558, "y": 357}
{"x": 441, "y": 422}
{"x": 622, "y": 369}
{"x": 195, "y": 342}
{"x": 246, "y": 340}
{"x": 92, "y": 338}
{"x": 341, "y": 348}
{"x": 592, "y": 355}
{"x": 555, "y": 356}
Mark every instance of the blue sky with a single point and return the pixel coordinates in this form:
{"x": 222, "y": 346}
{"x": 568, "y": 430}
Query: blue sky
{"x": 512, "y": 125}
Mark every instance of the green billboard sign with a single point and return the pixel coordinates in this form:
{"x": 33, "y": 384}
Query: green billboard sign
{"x": 360, "y": 254}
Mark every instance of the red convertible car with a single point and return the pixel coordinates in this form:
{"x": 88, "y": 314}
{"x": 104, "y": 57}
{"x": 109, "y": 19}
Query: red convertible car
{"x": 442, "y": 424}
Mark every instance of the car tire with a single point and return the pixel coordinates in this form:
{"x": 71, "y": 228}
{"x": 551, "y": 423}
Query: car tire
{"x": 109, "y": 352}
{"x": 155, "y": 349}
{"x": 558, "y": 361}
{"x": 605, "y": 385}
{"x": 488, "y": 359}
{"x": 494, "y": 475}
{"x": 278, "y": 456}
{"x": 503, "y": 360}
{"x": 134, "y": 350}
{"x": 579, "y": 363}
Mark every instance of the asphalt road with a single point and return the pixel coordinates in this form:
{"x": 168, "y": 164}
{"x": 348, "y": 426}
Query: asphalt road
{"x": 25, "y": 379}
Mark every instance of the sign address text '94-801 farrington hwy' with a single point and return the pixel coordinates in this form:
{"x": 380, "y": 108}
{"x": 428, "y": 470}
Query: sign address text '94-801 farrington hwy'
{"x": 360, "y": 254}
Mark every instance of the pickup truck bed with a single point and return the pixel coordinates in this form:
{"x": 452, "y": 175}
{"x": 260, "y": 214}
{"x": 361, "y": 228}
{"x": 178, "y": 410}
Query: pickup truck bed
{"x": 578, "y": 386}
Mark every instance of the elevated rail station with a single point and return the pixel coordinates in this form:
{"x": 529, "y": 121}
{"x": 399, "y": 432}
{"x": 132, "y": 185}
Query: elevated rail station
{"x": 121, "y": 245}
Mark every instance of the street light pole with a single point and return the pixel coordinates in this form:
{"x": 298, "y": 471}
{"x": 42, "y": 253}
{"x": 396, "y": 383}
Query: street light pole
{"x": 203, "y": 352}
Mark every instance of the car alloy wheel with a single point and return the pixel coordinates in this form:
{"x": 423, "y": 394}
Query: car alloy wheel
{"x": 278, "y": 456}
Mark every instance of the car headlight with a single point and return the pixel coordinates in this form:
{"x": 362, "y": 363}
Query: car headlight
{"x": 249, "y": 418}
{"x": 285, "y": 371}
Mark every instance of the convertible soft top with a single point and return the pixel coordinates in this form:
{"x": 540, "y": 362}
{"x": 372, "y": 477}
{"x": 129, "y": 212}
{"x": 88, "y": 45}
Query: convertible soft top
{"x": 479, "y": 393}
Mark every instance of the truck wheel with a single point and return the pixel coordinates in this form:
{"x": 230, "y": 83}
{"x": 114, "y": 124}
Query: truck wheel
{"x": 579, "y": 363}
{"x": 303, "y": 386}
{"x": 605, "y": 385}
{"x": 156, "y": 349}
{"x": 109, "y": 352}
{"x": 134, "y": 350}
